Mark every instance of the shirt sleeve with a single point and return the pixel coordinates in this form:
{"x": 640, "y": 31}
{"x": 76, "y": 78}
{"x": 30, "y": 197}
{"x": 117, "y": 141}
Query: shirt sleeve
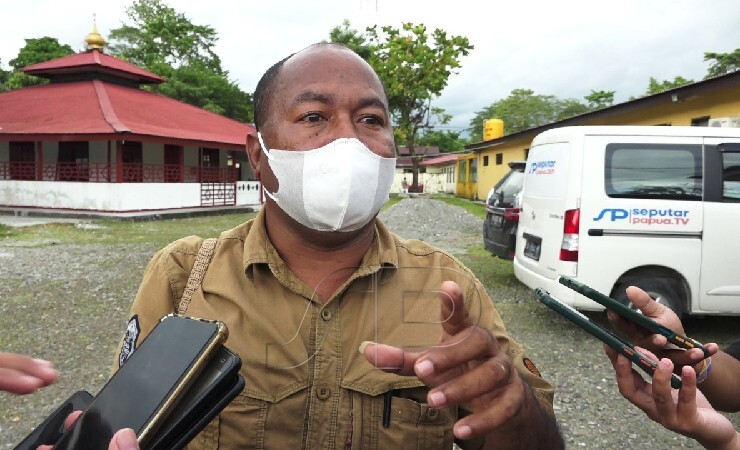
{"x": 162, "y": 286}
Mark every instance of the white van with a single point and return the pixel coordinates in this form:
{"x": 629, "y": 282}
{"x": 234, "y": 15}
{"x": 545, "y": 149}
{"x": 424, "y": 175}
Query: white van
{"x": 655, "y": 207}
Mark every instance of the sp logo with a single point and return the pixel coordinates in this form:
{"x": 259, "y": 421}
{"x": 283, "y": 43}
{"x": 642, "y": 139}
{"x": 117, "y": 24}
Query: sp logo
{"x": 612, "y": 215}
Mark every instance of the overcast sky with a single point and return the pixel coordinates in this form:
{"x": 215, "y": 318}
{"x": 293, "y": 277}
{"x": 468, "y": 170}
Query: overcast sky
{"x": 565, "y": 48}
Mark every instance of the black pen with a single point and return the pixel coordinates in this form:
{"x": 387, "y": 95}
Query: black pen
{"x": 387, "y": 409}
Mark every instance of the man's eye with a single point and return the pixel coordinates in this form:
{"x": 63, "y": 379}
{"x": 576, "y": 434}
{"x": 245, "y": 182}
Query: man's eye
{"x": 312, "y": 117}
{"x": 372, "y": 120}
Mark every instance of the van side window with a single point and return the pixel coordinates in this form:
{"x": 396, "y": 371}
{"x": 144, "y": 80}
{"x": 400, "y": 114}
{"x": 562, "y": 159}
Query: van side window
{"x": 731, "y": 176}
{"x": 659, "y": 171}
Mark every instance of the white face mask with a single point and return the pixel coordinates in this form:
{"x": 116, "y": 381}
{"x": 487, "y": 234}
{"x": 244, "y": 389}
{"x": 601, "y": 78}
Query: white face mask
{"x": 338, "y": 187}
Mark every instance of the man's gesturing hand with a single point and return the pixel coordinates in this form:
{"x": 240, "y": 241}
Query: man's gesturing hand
{"x": 465, "y": 368}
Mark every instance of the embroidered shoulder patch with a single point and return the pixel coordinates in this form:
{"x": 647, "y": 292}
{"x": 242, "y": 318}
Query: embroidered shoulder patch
{"x": 129, "y": 340}
{"x": 531, "y": 367}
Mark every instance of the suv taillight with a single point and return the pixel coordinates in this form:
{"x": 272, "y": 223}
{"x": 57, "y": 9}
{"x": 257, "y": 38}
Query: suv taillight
{"x": 511, "y": 214}
{"x": 569, "y": 248}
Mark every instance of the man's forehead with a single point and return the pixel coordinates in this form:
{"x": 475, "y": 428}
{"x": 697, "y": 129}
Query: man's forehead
{"x": 324, "y": 62}
{"x": 316, "y": 73}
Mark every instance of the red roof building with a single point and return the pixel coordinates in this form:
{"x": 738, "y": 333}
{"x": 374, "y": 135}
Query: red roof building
{"x": 93, "y": 124}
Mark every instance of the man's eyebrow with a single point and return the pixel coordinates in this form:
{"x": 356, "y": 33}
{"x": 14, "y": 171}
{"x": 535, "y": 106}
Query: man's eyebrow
{"x": 313, "y": 96}
{"x": 372, "y": 102}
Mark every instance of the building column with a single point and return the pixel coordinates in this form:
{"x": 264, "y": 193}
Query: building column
{"x": 39, "y": 161}
{"x": 119, "y": 162}
{"x": 108, "y": 172}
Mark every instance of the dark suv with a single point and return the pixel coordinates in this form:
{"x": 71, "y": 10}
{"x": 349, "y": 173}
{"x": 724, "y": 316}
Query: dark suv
{"x": 502, "y": 215}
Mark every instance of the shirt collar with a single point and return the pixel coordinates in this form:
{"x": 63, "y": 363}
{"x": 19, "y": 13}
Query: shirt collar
{"x": 381, "y": 256}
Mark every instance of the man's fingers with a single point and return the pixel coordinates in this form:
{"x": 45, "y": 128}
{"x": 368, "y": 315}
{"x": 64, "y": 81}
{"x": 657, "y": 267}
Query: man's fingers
{"x": 71, "y": 419}
{"x": 124, "y": 440}
{"x": 18, "y": 382}
{"x": 508, "y": 405}
{"x": 686, "y": 407}
{"x": 472, "y": 345}
{"x": 22, "y": 374}
{"x": 642, "y": 301}
{"x": 390, "y": 359}
{"x": 454, "y": 314}
{"x": 632, "y": 386}
{"x": 486, "y": 378}
{"x": 661, "y": 390}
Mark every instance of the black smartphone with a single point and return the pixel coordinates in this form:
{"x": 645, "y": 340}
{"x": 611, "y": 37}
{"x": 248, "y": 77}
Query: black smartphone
{"x": 149, "y": 384}
{"x": 604, "y": 335}
{"x": 633, "y": 315}
{"x": 52, "y": 428}
{"x": 218, "y": 384}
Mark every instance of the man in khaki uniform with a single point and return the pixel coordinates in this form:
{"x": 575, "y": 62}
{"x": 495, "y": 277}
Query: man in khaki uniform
{"x": 315, "y": 277}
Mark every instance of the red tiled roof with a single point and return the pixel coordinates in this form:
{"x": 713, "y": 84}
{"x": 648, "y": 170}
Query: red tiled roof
{"x": 99, "y": 107}
{"x": 440, "y": 160}
{"x": 92, "y": 62}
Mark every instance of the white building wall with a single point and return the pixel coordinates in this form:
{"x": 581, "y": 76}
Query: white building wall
{"x": 99, "y": 196}
{"x": 247, "y": 193}
{"x": 435, "y": 180}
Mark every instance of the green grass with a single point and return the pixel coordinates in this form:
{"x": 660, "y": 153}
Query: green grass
{"x": 493, "y": 272}
{"x": 391, "y": 201}
{"x": 477, "y": 209}
{"x": 159, "y": 232}
{"x": 6, "y": 231}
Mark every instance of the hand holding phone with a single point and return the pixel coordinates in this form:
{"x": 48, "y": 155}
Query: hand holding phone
{"x": 52, "y": 428}
{"x": 148, "y": 386}
{"x": 606, "y": 336}
{"x": 634, "y": 316}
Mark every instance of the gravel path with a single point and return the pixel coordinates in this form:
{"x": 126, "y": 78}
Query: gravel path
{"x": 76, "y": 299}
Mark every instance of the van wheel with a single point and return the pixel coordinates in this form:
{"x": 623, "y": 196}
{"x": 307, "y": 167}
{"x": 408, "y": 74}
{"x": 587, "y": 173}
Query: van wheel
{"x": 659, "y": 289}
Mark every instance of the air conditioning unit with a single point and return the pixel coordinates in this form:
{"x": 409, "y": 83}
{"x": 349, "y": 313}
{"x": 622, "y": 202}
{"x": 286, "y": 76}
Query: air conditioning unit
{"x": 725, "y": 122}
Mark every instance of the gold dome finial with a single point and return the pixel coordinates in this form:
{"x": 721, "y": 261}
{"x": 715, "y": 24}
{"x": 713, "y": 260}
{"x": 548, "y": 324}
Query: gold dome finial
{"x": 94, "y": 40}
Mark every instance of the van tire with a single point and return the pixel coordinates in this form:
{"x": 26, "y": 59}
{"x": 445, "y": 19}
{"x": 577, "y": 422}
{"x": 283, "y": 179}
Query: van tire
{"x": 660, "y": 289}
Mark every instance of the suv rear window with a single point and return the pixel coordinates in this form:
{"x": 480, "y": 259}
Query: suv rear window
{"x": 659, "y": 171}
{"x": 510, "y": 185}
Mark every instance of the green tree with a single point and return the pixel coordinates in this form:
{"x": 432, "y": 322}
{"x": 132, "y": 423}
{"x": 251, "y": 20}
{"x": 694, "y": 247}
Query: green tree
{"x": 353, "y": 39}
{"x": 166, "y": 42}
{"x": 447, "y": 141}
{"x": 415, "y": 65}
{"x": 722, "y": 63}
{"x": 523, "y": 109}
{"x": 3, "y": 78}
{"x": 35, "y": 51}
{"x": 161, "y": 34}
{"x": 655, "y": 86}
{"x": 600, "y": 99}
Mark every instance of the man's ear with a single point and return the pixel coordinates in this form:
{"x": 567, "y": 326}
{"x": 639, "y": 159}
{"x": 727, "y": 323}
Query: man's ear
{"x": 254, "y": 153}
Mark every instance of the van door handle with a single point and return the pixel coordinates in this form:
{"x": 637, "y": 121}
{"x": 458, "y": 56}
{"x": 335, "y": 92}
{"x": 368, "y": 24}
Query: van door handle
{"x": 595, "y": 232}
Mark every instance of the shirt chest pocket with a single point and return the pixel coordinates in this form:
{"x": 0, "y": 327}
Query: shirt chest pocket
{"x": 252, "y": 423}
{"x": 395, "y": 422}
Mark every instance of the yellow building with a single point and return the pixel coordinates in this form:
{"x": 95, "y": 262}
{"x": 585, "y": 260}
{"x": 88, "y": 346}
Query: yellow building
{"x": 695, "y": 104}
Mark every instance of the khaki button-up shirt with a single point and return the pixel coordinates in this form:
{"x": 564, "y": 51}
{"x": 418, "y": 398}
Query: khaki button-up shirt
{"x": 307, "y": 385}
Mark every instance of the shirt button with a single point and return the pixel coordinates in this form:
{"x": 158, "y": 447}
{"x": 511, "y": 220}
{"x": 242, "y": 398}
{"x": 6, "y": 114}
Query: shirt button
{"x": 432, "y": 414}
{"x": 326, "y": 315}
{"x": 323, "y": 392}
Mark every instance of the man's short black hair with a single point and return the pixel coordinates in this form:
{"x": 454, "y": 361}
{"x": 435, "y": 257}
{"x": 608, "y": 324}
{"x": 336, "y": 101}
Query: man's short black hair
{"x": 264, "y": 89}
